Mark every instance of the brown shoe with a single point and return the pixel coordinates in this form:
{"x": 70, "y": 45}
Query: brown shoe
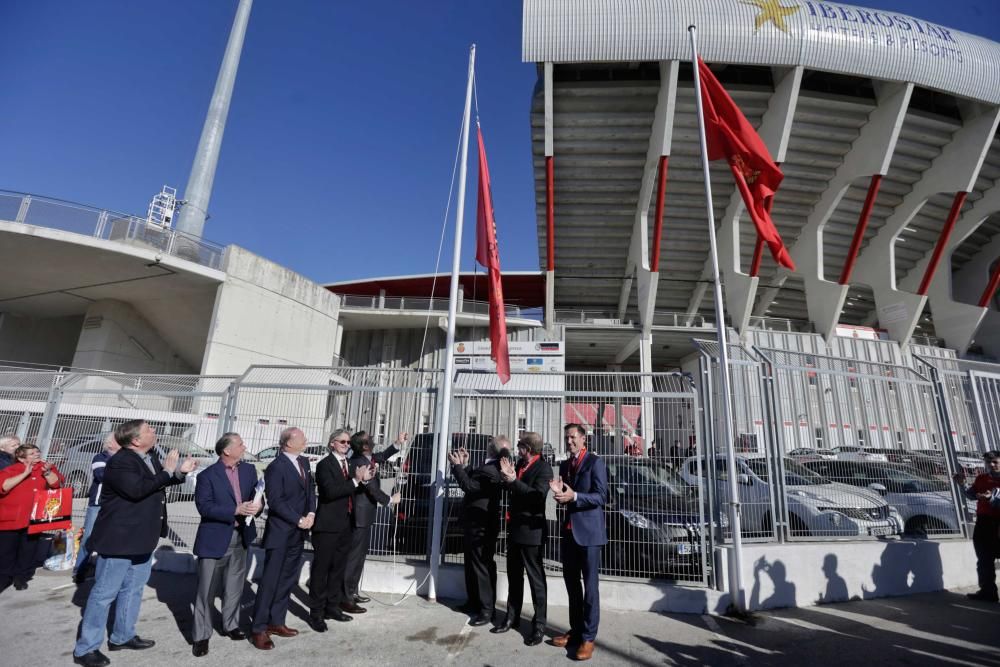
{"x": 261, "y": 640}
{"x": 352, "y": 608}
{"x": 586, "y": 651}
{"x": 281, "y": 631}
{"x": 562, "y": 640}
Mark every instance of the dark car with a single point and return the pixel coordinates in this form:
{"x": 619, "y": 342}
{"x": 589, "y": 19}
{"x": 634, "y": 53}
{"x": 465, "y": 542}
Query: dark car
{"x": 409, "y": 524}
{"x": 655, "y": 528}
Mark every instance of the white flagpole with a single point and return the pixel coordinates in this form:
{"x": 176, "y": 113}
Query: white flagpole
{"x": 444, "y": 397}
{"x": 725, "y": 425}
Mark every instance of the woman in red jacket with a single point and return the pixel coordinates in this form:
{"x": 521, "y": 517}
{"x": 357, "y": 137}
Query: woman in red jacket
{"x": 18, "y": 483}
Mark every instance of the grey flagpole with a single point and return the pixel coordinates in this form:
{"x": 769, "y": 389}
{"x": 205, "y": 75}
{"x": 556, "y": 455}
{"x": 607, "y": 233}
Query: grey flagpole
{"x": 447, "y": 384}
{"x": 725, "y": 424}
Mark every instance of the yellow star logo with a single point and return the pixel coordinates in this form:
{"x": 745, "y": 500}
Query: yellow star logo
{"x": 773, "y": 11}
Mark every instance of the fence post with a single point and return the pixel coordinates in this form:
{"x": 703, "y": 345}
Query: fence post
{"x": 22, "y": 212}
{"x": 49, "y": 417}
{"x": 24, "y": 425}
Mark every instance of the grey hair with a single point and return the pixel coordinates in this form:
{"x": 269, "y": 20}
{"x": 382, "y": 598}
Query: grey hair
{"x": 336, "y": 434}
{"x": 226, "y": 440}
{"x": 286, "y": 435}
{"x": 8, "y": 437}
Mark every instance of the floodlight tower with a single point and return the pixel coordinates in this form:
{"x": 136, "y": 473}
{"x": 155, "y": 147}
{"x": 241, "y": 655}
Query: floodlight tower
{"x": 191, "y": 218}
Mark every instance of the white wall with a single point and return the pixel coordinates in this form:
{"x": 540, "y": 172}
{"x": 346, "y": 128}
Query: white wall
{"x": 267, "y": 314}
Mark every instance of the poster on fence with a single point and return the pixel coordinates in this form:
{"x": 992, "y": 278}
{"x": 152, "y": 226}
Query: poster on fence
{"x": 525, "y": 356}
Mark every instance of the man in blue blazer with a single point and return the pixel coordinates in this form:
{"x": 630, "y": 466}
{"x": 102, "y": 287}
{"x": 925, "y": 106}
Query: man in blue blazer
{"x": 224, "y": 497}
{"x": 291, "y": 509}
{"x": 582, "y": 488}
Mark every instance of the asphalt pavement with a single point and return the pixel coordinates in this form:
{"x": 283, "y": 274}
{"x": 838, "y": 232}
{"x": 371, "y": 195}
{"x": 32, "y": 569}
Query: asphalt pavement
{"x": 40, "y": 626}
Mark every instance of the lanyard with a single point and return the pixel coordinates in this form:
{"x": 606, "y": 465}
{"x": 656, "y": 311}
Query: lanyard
{"x": 531, "y": 462}
{"x": 574, "y": 465}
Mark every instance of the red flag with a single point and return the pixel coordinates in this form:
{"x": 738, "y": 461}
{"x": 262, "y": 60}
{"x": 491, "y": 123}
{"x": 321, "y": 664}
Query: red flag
{"x": 487, "y": 254}
{"x": 729, "y": 135}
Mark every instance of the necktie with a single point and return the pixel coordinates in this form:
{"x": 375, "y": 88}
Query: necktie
{"x": 350, "y": 500}
{"x": 302, "y": 470}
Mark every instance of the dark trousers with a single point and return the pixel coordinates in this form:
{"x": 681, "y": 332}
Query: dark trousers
{"x": 326, "y": 580}
{"x": 361, "y": 538}
{"x": 480, "y": 569}
{"x": 526, "y": 559}
{"x": 580, "y": 565}
{"x": 281, "y": 571}
{"x": 18, "y": 556}
{"x": 986, "y": 542}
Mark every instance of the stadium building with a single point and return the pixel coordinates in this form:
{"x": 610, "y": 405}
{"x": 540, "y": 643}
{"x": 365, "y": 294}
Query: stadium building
{"x": 885, "y": 127}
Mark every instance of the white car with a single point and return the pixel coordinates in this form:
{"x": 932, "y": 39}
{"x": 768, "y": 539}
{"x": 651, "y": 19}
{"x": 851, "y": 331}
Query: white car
{"x": 314, "y": 453}
{"x": 926, "y": 505}
{"x": 816, "y": 506}
{"x": 810, "y": 453}
{"x": 852, "y": 453}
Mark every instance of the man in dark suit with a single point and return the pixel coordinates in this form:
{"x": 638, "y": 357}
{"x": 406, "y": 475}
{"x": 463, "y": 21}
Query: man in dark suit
{"x": 291, "y": 504}
{"x": 339, "y": 486}
{"x": 224, "y": 497}
{"x": 132, "y": 520}
{"x": 365, "y": 507}
{"x": 582, "y": 488}
{"x": 528, "y": 484}
{"x": 480, "y": 521}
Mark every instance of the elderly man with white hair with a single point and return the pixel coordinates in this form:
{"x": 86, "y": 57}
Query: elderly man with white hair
{"x": 8, "y": 443}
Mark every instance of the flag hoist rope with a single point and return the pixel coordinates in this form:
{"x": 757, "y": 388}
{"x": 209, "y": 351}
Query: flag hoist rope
{"x": 724, "y": 425}
{"x": 443, "y": 422}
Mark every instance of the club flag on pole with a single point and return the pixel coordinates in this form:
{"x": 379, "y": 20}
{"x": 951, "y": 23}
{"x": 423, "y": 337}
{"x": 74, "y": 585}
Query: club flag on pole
{"x": 488, "y": 255}
{"x": 729, "y": 135}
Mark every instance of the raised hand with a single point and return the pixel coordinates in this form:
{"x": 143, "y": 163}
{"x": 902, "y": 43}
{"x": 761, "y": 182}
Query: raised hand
{"x": 507, "y": 470}
{"x": 402, "y": 438}
{"x": 556, "y": 484}
{"x": 170, "y": 461}
{"x": 360, "y": 472}
{"x": 395, "y": 498}
{"x": 188, "y": 465}
{"x": 455, "y": 458}
{"x": 464, "y": 454}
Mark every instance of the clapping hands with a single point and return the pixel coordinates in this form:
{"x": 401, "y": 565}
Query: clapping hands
{"x": 459, "y": 457}
{"x": 365, "y": 473}
{"x": 248, "y": 508}
{"x": 507, "y": 469}
{"x": 561, "y": 491}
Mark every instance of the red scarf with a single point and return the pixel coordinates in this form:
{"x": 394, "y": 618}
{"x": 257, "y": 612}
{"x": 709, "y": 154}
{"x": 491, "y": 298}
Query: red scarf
{"x": 574, "y": 467}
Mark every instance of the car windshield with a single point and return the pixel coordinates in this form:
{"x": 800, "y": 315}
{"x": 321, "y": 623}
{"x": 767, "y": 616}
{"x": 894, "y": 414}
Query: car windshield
{"x": 795, "y": 473}
{"x": 909, "y": 480}
{"x": 643, "y": 479}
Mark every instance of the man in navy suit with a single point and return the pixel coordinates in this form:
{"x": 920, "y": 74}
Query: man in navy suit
{"x": 291, "y": 509}
{"x": 224, "y": 498}
{"x": 582, "y": 488}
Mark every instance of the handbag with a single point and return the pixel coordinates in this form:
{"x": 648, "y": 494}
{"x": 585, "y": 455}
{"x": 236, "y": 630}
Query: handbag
{"x": 52, "y": 510}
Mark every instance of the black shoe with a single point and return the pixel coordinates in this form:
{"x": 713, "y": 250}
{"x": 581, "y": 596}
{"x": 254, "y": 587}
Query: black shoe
{"x": 317, "y": 623}
{"x": 978, "y": 595}
{"x": 536, "y": 638}
{"x": 20, "y": 585}
{"x": 361, "y": 599}
{"x": 480, "y": 619}
{"x": 508, "y": 624}
{"x": 137, "y": 643}
{"x": 199, "y": 648}
{"x": 236, "y": 635}
{"x": 92, "y": 659}
{"x": 338, "y": 615}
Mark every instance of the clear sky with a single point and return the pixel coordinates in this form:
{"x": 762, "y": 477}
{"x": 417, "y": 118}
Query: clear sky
{"x": 344, "y": 123}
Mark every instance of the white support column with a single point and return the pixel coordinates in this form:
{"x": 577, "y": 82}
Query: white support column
{"x": 870, "y": 154}
{"x": 954, "y": 170}
{"x": 646, "y": 409}
{"x": 774, "y": 130}
{"x": 550, "y": 300}
{"x": 638, "y": 262}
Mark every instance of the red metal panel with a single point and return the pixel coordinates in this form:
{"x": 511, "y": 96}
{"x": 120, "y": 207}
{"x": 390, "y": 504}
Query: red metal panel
{"x": 859, "y": 230}
{"x": 991, "y": 288}
{"x": 949, "y": 225}
{"x": 550, "y": 215}
{"x": 660, "y": 194}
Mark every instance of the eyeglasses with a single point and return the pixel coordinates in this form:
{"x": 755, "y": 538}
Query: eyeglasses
{"x": 342, "y": 442}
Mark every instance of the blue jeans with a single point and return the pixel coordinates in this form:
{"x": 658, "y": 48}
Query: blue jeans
{"x": 88, "y": 526}
{"x": 121, "y": 580}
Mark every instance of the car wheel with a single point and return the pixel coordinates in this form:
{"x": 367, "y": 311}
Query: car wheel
{"x": 924, "y": 526}
{"x": 797, "y": 527}
{"x": 78, "y": 482}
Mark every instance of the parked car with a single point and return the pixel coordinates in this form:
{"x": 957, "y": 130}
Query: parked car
{"x": 852, "y": 453}
{"x": 314, "y": 453}
{"x": 816, "y": 505}
{"x": 971, "y": 461}
{"x": 926, "y": 505}
{"x": 810, "y": 452}
{"x": 77, "y": 456}
{"x": 928, "y": 462}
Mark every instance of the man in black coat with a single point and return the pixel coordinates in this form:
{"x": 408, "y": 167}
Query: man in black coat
{"x": 291, "y": 504}
{"x": 365, "y": 508}
{"x": 132, "y": 520}
{"x": 527, "y": 532}
{"x": 338, "y": 486}
{"x": 480, "y": 521}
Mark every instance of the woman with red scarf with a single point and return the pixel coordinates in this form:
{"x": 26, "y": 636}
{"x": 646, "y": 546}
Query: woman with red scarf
{"x": 18, "y": 484}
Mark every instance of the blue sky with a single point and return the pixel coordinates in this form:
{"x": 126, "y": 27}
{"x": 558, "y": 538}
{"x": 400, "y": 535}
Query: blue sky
{"x": 339, "y": 146}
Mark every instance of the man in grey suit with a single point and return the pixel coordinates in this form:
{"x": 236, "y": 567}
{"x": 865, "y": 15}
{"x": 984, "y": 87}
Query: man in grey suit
{"x": 224, "y": 497}
{"x": 365, "y": 506}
